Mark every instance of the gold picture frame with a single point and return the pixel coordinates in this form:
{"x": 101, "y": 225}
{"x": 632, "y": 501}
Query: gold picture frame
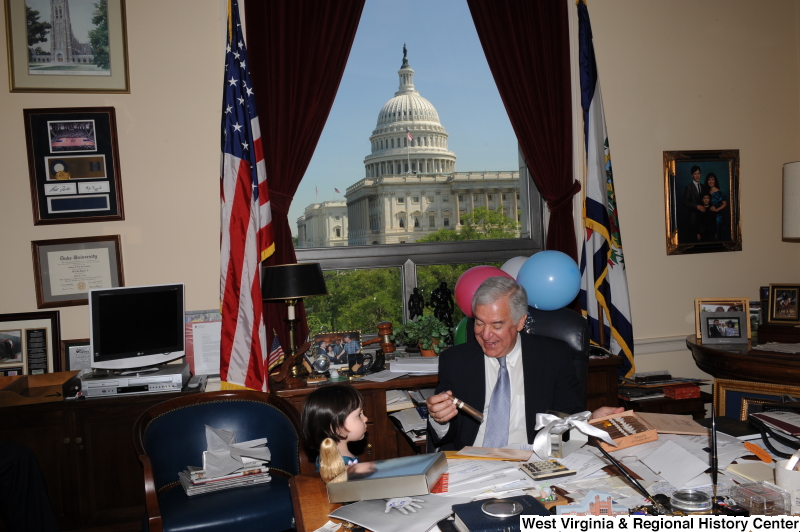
{"x": 706, "y": 230}
{"x": 732, "y": 398}
{"x": 720, "y": 304}
{"x": 47, "y": 67}
{"x": 783, "y": 304}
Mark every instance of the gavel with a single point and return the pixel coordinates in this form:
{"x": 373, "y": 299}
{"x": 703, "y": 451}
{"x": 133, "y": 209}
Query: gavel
{"x": 384, "y": 334}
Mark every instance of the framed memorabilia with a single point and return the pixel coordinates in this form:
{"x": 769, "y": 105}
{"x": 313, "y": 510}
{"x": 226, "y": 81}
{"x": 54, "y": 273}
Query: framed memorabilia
{"x": 66, "y": 269}
{"x": 73, "y": 162}
{"x": 86, "y": 51}
{"x": 783, "y": 304}
{"x": 335, "y": 346}
{"x": 75, "y": 355}
{"x": 724, "y": 327}
{"x": 735, "y": 399}
{"x": 29, "y": 343}
{"x": 701, "y": 194}
{"x": 720, "y": 304}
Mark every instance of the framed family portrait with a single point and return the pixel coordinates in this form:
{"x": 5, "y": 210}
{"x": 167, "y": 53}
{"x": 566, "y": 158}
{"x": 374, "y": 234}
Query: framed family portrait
{"x": 77, "y": 46}
{"x": 783, "y": 304}
{"x": 701, "y": 194}
{"x": 719, "y": 304}
{"x": 724, "y": 327}
{"x": 66, "y": 269}
{"x": 336, "y": 346}
{"x": 29, "y": 343}
{"x": 73, "y": 163}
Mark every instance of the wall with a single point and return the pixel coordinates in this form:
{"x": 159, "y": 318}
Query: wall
{"x": 168, "y": 130}
{"x": 683, "y": 75}
{"x": 691, "y": 75}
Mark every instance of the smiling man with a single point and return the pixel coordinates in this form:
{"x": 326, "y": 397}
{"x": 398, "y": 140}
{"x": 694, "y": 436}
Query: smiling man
{"x": 508, "y": 375}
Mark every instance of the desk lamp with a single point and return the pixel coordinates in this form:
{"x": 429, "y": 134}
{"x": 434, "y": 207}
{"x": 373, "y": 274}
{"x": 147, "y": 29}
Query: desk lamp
{"x": 290, "y": 283}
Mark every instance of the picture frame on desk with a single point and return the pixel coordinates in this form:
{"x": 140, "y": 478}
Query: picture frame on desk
{"x": 28, "y": 342}
{"x": 332, "y": 345}
{"x": 720, "y": 304}
{"x": 99, "y": 63}
{"x": 716, "y": 227}
{"x": 73, "y": 165}
{"x": 783, "y": 304}
{"x": 65, "y": 269}
{"x": 735, "y": 398}
{"x": 75, "y": 354}
{"x": 724, "y": 327}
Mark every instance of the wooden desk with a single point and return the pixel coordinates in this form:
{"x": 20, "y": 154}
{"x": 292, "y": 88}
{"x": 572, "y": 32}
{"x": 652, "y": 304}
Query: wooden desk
{"x": 744, "y": 362}
{"x": 310, "y": 501}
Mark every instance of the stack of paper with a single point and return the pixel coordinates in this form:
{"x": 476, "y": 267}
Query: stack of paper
{"x": 227, "y": 464}
{"x": 398, "y": 400}
{"x": 420, "y": 396}
{"x": 415, "y": 366}
{"x": 409, "y": 419}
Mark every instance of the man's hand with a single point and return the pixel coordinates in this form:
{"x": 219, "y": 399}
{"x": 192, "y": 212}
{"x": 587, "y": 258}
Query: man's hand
{"x": 441, "y": 408}
{"x": 701, "y": 208}
{"x": 402, "y": 505}
{"x": 604, "y": 411}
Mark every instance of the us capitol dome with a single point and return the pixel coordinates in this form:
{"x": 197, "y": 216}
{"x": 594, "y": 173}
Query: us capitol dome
{"x": 410, "y": 186}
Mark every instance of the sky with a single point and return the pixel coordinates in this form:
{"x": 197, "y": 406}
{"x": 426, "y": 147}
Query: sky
{"x": 450, "y": 71}
{"x": 80, "y": 14}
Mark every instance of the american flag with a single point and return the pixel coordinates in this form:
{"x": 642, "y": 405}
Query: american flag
{"x": 409, "y": 136}
{"x": 246, "y": 219}
{"x": 275, "y": 353}
{"x": 337, "y": 190}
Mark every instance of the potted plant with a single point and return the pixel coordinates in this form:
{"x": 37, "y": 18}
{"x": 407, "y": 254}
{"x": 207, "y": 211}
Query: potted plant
{"x": 430, "y": 333}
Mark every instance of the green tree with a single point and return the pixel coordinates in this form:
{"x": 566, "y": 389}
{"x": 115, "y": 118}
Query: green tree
{"x": 479, "y": 224}
{"x": 98, "y": 37}
{"x": 37, "y": 31}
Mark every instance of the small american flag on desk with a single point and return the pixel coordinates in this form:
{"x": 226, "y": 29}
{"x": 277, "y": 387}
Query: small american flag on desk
{"x": 246, "y": 223}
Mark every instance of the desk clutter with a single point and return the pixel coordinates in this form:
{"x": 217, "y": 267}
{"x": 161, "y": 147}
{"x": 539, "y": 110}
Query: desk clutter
{"x": 409, "y": 410}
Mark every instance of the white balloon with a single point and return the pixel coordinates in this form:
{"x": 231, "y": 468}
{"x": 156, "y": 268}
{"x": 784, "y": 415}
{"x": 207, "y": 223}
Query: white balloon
{"x": 512, "y": 266}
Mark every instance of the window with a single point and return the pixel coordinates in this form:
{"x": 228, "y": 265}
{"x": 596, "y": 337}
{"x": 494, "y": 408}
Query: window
{"x": 392, "y": 143}
{"x": 446, "y": 222}
{"x": 446, "y": 199}
{"x": 504, "y": 197}
{"x": 431, "y": 221}
{"x": 402, "y": 222}
{"x": 489, "y": 197}
{"x": 414, "y": 199}
{"x": 518, "y": 196}
{"x": 431, "y": 199}
{"x": 476, "y": 197}
{"x": 401, "y": 199}
{"x": 416, "y": 221}
{"x": 461, "y": 198}
{"x": 338, "y": 231}
{"x": 337, "y": 218}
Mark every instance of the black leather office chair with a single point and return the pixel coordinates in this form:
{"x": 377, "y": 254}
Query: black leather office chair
{"x": 172, "y": 435}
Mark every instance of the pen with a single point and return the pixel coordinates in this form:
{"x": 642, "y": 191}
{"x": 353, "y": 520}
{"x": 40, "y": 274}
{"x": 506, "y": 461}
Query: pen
{"x": 714, "y": 459}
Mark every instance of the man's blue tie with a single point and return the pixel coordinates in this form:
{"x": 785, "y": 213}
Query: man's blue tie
{"x": 499, "y": 410}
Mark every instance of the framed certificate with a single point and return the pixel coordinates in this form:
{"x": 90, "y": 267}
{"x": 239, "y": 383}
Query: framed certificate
{"x": 73, "y": 163}
{"x": 75, "y": 355}
{"x": 67, "y": 268}
{"x": 29, "y": 342}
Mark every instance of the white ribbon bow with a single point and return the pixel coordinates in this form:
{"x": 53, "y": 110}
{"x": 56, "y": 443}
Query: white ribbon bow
{"x": 547, "y": 423}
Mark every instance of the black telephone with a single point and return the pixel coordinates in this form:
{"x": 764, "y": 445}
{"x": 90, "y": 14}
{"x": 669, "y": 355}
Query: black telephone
{"x": 768, "y": 432}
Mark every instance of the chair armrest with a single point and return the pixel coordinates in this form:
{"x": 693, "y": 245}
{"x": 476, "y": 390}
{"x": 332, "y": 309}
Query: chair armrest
{"x": 150, "y": 496}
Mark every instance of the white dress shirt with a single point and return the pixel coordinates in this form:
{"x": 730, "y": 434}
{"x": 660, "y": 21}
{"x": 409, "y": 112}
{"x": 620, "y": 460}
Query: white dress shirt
{"x": 517, "y": 429}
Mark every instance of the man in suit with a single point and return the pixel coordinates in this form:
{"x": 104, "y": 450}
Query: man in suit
{"x": 714, "y": 331}
{"x": 539, "y": 373}
{"x": 692, "y": 205}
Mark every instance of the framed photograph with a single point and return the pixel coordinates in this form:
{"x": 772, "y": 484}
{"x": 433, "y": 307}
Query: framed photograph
{"x": 783, "y": 304}
{"x": 75, "y": 355}
{"x": 719, "y": 304}
{"x": 84, "y": 50}
{"x": 65, "y": 269}
{"x": 701, "y": 194}
{"x": 335, "y": 346}
{"x": 724, "y": 327}
{"x": 73, "y": 163}
{"x": 29, "y": 343}
{"x": 735, "y": 399}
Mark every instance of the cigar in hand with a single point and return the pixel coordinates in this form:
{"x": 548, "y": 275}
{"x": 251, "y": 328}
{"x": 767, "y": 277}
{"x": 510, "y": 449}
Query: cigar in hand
{"x": 464, "y": 407}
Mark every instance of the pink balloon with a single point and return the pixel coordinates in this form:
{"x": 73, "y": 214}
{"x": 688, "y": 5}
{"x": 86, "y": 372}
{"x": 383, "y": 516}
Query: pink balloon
{"x": 470, "y": 281}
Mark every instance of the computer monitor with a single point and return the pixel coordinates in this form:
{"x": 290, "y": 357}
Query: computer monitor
{"x": 137, "y": 326}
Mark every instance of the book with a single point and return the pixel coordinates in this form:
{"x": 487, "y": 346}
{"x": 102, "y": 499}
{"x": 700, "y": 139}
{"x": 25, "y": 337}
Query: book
{"x": 217, "y": 485}
{"x": 199, "y": 476}
{"x": 470, "y": 517}
{"x": 633, "y": 394}
{"x": 398, "y": 400}
{"x": 788, "y": 422}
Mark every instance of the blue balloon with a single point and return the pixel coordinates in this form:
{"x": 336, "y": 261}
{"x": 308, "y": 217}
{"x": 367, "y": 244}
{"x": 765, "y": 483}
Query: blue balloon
{"x": 551, "y": 279}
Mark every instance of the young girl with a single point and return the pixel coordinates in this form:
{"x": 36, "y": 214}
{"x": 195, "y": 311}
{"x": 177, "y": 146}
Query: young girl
{"x": 333, "y": 416}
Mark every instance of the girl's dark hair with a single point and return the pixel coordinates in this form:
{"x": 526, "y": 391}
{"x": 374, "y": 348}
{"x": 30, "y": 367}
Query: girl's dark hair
{"x": 326, "y": 410}
{"x": 716, "y": 180}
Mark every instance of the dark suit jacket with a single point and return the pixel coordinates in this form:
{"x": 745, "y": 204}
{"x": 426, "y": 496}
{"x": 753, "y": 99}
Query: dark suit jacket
{"x": 550, "y": 384}
{"x": 691, "y": 198}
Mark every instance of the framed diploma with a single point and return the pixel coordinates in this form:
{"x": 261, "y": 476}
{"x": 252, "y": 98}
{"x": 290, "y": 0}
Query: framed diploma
{"x": 67, "y": 268}
{"x": 73, "y": 163}
{"x": 29, "y": 343}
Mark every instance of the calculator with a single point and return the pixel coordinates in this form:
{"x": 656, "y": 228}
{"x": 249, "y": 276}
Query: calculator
{"x": 546, "y": 469}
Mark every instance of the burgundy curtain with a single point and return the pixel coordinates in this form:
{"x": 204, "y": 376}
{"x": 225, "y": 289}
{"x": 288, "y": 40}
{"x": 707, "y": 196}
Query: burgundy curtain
{"x": 298, "y": 50}
{"x": 527, "y": 47}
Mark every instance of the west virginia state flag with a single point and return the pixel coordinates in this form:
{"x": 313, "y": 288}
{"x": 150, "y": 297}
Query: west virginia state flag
{"x": 603, "y": 277}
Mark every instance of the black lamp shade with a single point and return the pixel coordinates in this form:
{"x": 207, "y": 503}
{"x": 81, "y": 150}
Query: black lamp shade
{"x": 293, "y": 281}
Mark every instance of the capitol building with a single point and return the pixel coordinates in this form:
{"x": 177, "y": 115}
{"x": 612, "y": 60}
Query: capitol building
{"x": 411, "y": 187}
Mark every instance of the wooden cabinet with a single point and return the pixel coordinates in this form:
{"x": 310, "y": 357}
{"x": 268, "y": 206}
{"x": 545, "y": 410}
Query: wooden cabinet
{"x": 85, "y": 449}
{"x": 602, "y": 385}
